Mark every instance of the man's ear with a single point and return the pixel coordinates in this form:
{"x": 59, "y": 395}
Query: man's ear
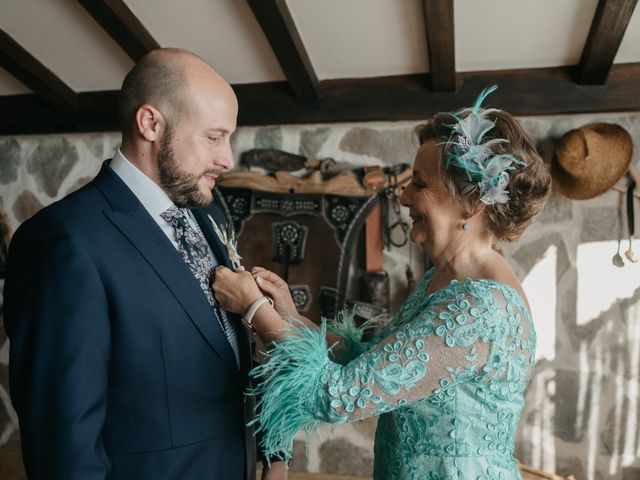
{"x": 150, "y": 123}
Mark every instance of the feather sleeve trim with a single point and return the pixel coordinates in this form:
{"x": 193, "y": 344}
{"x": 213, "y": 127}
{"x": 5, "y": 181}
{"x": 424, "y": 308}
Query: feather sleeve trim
{"x": 289, "y": 384}
{"x": 344, "y": 325}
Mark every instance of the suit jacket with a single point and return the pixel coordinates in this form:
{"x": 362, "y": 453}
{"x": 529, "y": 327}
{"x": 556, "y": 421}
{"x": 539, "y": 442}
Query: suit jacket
{"x": 118, "y": 368}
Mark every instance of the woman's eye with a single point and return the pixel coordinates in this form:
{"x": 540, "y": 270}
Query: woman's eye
{"x": 418, "y": 185}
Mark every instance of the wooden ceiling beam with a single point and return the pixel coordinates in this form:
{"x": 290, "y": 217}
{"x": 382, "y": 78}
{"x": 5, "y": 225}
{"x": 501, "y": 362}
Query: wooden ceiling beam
{"x": 27, "y": 114}
{"x": 605, "y": 36}
{"x": 545, "y": 91}
{"x": 26, "y": 68}
{"x": 280, "y": 29}
{"x": 117, "y": 19}
{"x": 439, "y": 25}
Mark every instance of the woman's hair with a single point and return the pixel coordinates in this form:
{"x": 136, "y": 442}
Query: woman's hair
{"x": 529, "y": 184}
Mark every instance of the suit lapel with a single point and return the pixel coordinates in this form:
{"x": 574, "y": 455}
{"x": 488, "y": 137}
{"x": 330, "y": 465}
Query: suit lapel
{"x": 219, "y": 250}
{"x": 134, "y": 222}
{"x": 204, "y": 219}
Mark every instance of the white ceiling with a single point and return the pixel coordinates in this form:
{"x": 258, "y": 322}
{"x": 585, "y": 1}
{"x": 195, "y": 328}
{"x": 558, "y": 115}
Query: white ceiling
{"x": 62, "y": 36}
{"x": 344, "y": 38}
{"x": 362, "y": 38}
{"x": 504, "y": 34}
{"x": 223, "y": 32}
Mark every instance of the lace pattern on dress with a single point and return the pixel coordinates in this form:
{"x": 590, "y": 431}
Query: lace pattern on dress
{"x": 447, "y": 374}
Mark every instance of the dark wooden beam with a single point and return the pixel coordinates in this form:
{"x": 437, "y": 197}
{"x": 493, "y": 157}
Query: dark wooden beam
{"x": 607, "y": 29}
{"x": 438, "y": 23}
{"x": 547, "y": 91}
{"x": 26, "y": 68}
{"x": 122, "y": 25}
{"x": 26, "y": 114}
{"x": 277, "y": 23}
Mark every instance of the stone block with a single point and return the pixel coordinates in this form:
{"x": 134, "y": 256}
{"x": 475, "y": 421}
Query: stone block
{"x": 558, "y": 209}
{"x": 51, "y": 162}
{"x": 340, "y": 457}
{"x": 366, "y": 427}
{"x": 631, "y": 473}
{"x": 567, "y": 465}
{"x": 95, "y": 145}
{"x": 25, "y": 206}
{"x": 4, "y": 377}
{"x": 81, "y": 182}
{"x": 599, "y": 224}
{"x": 537, "y": 130}
{"x": 268, "y": 137}
{"x": 6, "y": 422}
{"x": 607, "y": 432}
{"x": 9, "y": 160}
{"x": 311, "y": 141}
{"x": 391, "y": 146}
{"x": 300, "y": 460}
{"x": 12, "y": 444}
{"x": 567, "y": 427}
{"x": 529, "y": 254}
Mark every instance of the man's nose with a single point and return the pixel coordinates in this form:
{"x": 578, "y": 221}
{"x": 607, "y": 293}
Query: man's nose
{"x": 224, "y": 159}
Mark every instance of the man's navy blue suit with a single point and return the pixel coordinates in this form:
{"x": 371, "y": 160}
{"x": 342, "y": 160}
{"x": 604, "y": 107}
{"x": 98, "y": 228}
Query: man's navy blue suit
{"x": 118, "y": 368}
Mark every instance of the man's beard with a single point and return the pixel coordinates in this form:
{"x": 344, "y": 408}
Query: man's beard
{"x": 181, "y": 186}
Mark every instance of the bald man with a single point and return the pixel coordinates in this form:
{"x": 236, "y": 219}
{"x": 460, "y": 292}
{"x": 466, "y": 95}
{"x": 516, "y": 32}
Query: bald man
{"x": 122, "y": 364}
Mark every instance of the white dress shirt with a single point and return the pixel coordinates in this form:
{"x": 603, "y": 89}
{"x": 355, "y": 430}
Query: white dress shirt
{"x": 151, "y": 196}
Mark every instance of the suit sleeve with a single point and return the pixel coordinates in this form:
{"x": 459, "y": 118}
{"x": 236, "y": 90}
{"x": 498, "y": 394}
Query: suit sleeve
{"x": 56, "y": 315}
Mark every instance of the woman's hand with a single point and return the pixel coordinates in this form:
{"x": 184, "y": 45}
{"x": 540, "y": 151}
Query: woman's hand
{"x": 278, "y": 471}
{"x": 234, "y": 291}
{"x": 274, "y": 286}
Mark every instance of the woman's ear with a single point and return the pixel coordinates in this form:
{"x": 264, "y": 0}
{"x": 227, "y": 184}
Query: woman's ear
{"x": 477, "y": 209}
{"x": 150, "y": 123}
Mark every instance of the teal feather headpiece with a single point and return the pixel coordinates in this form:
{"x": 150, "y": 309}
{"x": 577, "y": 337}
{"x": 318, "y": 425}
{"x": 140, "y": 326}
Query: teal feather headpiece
{"x": 468, "y": 151}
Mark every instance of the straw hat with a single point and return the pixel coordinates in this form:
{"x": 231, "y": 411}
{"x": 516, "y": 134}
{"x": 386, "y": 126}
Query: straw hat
{"x": 590, "y": 160}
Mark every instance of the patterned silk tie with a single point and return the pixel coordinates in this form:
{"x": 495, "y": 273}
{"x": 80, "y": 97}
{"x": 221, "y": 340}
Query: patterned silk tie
{"x": 195, "y": 253}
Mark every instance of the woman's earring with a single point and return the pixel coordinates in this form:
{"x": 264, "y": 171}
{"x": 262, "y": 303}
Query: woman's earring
{"x": 465, "y": 226}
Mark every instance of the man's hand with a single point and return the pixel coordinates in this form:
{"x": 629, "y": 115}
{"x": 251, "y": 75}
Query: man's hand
{"x": 234, "y": 291}
{"x": 278, "y": 471}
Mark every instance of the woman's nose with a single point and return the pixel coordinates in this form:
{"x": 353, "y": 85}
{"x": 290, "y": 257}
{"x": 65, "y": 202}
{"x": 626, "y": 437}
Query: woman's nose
{"x": 404, "y": 197}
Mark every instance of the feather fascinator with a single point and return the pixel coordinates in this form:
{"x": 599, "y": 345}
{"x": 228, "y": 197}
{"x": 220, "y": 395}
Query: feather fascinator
{"x": 468, "y": 151}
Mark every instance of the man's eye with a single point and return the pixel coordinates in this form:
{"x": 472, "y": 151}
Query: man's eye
{"x": 215, "y": 140}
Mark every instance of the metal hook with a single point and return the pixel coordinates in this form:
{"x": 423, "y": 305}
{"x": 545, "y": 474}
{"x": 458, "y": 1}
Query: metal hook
{"x": 404, "y": 226}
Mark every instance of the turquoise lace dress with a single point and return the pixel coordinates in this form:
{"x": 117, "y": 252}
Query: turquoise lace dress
{"x": 446, "y": 376}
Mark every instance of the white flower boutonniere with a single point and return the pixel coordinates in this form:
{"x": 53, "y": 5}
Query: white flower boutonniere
{"x": 228, "y": 239}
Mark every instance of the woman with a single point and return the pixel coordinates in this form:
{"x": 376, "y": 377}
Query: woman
{"x": 447, "y": 375}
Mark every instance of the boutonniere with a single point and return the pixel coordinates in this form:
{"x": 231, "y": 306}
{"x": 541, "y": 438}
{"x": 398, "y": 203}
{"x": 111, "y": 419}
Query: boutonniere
{"x": 228, "y": 239}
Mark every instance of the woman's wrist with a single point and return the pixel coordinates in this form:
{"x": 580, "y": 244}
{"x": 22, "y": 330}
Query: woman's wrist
{"x": 285, "y": 313}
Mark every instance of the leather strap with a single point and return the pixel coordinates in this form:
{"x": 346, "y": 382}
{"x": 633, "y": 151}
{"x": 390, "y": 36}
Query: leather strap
{"x": 630, "y": 213}
{"x": 251, "y": 311}
{"x": 374, "y": 181}
{"x": 373, "y": 235}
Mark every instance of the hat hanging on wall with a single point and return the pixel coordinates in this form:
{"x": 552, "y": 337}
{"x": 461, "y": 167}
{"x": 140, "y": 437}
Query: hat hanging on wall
{"x": 589, "y": 160}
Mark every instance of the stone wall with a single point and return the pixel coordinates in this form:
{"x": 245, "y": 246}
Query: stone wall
{"x": 583, "y": 406}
